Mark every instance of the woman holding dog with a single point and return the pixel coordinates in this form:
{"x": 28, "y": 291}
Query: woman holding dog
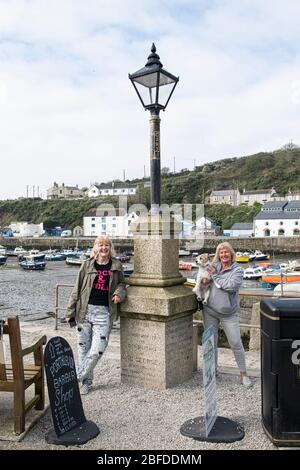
{"x": 93, "y": 307}
{"x": 223, "y": 304}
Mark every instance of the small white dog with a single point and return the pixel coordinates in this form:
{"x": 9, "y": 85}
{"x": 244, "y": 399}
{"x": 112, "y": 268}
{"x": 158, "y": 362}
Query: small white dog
{"x": 202, "y": 290}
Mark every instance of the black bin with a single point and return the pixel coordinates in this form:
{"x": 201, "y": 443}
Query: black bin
{"x": 280, "y": 327}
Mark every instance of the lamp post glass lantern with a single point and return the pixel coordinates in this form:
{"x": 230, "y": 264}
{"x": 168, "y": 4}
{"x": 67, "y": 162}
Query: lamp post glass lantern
{"x": 154, "y": 87}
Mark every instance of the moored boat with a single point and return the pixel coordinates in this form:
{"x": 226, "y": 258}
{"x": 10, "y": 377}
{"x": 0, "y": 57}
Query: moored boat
{"x": 277, "y": 278}
{"x": 3, "y": 260}
{"x": 292, "y": 288}
{"x": 252, "y": 273}
{"x": 33, "y": 265}
{"x": 258, "y": 256}
{"x": 54, "y": 257}
{"x": 242, "y": 257}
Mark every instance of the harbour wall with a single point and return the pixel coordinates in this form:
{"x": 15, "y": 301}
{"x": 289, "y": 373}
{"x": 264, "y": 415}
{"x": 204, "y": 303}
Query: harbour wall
{"x": 270, "y": 245}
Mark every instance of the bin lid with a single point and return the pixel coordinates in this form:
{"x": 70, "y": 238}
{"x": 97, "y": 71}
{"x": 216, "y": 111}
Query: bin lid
{"x": 281, "y": 308}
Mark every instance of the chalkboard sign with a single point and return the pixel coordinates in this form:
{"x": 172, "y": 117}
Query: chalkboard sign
{"x": 63, "y": 390}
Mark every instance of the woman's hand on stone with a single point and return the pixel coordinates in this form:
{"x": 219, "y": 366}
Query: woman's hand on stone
{"x": 116, "y": 299}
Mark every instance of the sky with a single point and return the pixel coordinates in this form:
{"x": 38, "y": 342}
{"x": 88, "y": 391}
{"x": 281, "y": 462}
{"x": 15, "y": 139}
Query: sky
{"x": 69, "y": 113}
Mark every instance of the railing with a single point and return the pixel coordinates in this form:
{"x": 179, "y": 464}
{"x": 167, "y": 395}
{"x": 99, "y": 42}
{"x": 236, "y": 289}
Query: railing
{"x": 243, "y": 325}
{"x": 57, "y": 308}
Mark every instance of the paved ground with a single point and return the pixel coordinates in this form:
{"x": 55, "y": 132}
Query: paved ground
{"x": 134, "y": 418}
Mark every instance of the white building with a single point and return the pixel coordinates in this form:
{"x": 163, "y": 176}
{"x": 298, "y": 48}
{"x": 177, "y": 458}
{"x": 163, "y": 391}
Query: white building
{"x": 108, "y": 221}
{"x": 77, "y": 231}
{"x": 25, "y": 229}
{"x": 206, "y": 227}
{"x": 260, "y": 195}
{"x": 225, "y": 196}
{"x": 281, "y": 218}
{"x": 240, "y": 230}
{"x": 115, "y": 189}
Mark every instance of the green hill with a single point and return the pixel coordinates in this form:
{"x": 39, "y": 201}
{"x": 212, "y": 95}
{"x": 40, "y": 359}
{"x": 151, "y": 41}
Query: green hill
{"x": 279, "y": 169}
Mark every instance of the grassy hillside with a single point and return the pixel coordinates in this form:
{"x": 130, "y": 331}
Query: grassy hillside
{"x": 280, "y": 169}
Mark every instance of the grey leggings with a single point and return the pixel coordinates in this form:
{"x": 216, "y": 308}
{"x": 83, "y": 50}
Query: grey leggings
{"x": 231, "y": 327}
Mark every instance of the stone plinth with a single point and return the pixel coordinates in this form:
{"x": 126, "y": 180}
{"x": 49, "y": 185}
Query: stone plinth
{"x": 254, "y": 344}
{"x": 157, "y": 317}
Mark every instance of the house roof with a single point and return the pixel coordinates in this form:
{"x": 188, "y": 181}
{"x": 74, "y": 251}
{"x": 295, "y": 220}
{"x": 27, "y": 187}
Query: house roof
{"x": 258, "y": 191}
{"x": 277, "y": 205}
{"x": 242, "y": 226}
{"x": 292, "y": 205}
{"x": 224, "y": 192}
{"x": 266, "y": 215}
{"x": 105, "y": 212}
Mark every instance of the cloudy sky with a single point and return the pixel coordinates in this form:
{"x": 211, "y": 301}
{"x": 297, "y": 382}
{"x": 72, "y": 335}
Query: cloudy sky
{"x": 69, "y": 113}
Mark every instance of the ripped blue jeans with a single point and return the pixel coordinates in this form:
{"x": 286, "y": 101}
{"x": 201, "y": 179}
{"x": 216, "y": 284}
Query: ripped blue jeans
{"x": 92, "y": 337}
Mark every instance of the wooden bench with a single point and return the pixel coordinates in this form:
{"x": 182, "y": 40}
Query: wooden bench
{"x": 19, "y": 375}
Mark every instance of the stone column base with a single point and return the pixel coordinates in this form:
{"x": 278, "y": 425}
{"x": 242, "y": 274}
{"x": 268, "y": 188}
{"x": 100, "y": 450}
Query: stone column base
{"x": 157, "y": 344}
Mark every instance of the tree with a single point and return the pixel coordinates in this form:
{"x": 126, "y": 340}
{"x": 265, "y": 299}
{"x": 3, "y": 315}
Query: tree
{"x": 165, "y": 170}
{"x": 290, "y": 146}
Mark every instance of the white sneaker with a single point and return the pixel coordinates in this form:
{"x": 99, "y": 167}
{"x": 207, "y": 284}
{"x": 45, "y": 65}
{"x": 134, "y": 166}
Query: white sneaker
{"x": 84, "y": 389}
{"x": 246, "y": 381}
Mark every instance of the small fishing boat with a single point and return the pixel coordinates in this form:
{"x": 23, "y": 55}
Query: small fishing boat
{"x": 242, "y": 257}
{"x": 123, "y": 258}
{"x": 278, "y": 277}
{"x": 252, "y": 273}
{"x": 258, "y": 256}
{"x": 19, "y": 250}
{"x": 292, "y": 288}
{"x": 32, "y": 265}
{"x": 54, "y": 257}
{"x": 3, "y": 260}
{"x": 76, "y": 260}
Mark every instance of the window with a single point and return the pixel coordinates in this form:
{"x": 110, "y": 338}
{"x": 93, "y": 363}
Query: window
{"x": 103, "y": 227}
{"x": 296, "y": 223}
{"x": 267, "y": 232}
{"x": 93, "y": 218}
{"x": 93, "y": 225}
{"x": 280, "y": 232}
{"x": 280, "y": 223}
{"x": 296, "y": 232}
{"x": 267, "y": 223}
{"x": 114, "y": 225}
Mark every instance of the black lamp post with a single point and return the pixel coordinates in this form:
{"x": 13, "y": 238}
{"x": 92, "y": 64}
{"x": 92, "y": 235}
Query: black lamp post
{"x": 154, "y": 87}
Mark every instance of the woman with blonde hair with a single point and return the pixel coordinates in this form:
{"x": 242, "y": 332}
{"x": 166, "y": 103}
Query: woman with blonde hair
{"x": 93, "y": 306}
{"x": 223, "y": 304}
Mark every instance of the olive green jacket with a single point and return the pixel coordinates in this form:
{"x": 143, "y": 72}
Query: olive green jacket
{"x": 81, "y": 292}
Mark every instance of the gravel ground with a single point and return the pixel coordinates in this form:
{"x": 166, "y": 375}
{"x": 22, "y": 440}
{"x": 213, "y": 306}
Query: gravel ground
{"x": 128, "y": 417}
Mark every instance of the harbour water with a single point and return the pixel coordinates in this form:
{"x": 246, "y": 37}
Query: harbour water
{"x": 31, "y": 294}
